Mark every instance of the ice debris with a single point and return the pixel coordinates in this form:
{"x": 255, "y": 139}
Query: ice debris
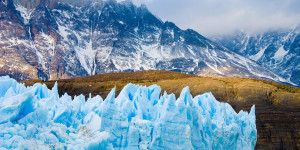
{"x": 139, "y": 118}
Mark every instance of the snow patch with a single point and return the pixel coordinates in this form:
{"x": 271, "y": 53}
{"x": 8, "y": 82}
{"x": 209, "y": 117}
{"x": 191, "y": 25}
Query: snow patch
{"x": 190, "y": 50}
{"x": 136, "y": 29}
{"x": 49, "y": 41}
{"x": 245, "y": 42}
{"x": 86, "y": 56}
{"x": 214, "y": 68}
{"x": 279, "y": 55}
{"x": 25, "y": 13}
{"x": 63, "y": 31}
{"x": 257, "y": 56}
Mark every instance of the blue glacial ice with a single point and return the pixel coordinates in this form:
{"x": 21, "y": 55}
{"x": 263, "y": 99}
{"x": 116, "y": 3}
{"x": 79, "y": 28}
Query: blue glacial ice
{"x": 36, "y": 117}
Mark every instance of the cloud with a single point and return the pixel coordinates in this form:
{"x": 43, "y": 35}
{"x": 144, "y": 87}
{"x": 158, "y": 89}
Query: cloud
{"x": 210, "y": 17}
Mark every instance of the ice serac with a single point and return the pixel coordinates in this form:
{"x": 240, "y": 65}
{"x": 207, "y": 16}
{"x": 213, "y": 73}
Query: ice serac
{"x": 36, "y": 117}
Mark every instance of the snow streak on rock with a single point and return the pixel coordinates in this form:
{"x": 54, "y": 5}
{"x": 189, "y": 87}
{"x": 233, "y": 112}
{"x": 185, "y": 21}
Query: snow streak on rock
{"x": 139, "y": 118}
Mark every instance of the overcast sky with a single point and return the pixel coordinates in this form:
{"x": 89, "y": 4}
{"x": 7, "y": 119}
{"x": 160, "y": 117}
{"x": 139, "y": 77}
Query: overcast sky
{"x": 210, "y": 17}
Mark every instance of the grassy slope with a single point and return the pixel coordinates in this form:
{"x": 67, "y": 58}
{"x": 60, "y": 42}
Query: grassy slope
{"x": 277, "y": 105}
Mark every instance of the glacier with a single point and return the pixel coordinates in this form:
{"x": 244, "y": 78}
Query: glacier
{"x": 140, "y": 117}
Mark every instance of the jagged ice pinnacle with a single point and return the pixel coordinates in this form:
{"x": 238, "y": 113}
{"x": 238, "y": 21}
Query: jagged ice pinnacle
{"x": 139, "y": 118}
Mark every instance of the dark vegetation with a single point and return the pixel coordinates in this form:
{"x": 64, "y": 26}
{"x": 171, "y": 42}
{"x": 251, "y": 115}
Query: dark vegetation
{"x": 277, "y": 105}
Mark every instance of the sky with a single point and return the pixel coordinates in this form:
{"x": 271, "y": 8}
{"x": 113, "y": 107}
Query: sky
{"x": 217, "y": 17}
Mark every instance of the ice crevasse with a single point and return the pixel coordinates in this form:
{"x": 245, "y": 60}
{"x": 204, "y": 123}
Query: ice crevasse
{"x": 139, "y": 117}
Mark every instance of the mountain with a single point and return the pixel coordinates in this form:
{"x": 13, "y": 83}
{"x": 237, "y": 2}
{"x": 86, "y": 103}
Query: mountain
{"x": 57, "y": 40}
{"x": 277, "y": 50}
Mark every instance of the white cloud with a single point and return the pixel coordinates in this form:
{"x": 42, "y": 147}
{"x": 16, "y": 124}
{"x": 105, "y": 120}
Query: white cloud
{"x": 211, "y": 17}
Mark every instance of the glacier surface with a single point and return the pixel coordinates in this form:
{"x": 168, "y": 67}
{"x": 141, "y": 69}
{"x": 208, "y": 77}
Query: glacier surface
{"x": 36, "y": 117}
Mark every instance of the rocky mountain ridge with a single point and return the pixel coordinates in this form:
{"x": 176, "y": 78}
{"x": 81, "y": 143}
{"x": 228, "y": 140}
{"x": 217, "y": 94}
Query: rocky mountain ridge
{"x": 277, "y": 50}
{"x": 56, "y": 40}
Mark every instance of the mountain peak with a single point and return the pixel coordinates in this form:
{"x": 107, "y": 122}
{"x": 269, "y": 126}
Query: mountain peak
{"x": 275, "y": 49}
{"x": 117, "y": 36}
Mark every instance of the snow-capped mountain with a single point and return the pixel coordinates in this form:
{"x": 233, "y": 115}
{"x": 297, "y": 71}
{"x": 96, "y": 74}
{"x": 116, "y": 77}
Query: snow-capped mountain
{"x": 54, "y": 40}
{"x": 277, "y": 50}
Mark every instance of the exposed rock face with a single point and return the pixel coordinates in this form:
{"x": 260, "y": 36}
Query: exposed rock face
{"x": 58, "y": 40}
{"x": 277, "y": 50}
{"x": 16, "y": 57}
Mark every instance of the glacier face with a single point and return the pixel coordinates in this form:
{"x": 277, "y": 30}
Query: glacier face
{"x": 139, "y": 118}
